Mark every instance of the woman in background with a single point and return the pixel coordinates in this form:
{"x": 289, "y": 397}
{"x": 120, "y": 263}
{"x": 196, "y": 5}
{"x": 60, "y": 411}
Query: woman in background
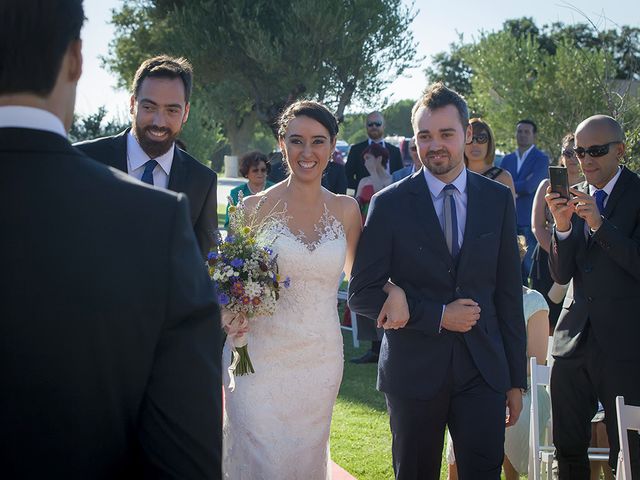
{"x": 254, "y": 166}
{"x": 375, "y": 159}
{"x": 480, "y": 154}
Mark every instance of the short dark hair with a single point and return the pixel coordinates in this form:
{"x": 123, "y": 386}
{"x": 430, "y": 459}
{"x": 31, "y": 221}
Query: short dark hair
{"x": 439, "y": 96}
{"x": 311, "y": 109}
{"x": 526, "y": 121}
{"x": 253, "y": 159}
{"x": 34, "y": 37}
{"x": 377, "y": 150}
{"x": 164, "y": 66}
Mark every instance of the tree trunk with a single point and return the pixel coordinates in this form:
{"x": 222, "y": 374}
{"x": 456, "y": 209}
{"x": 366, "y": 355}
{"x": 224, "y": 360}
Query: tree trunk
{"x": 239, "y": 133}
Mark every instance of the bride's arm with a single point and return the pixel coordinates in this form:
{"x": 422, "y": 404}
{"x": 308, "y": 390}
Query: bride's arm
{"x": 352, "y": 221}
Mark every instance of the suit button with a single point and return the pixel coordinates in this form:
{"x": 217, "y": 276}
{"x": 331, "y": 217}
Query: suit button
{"x": 458, "y": 291}
{"x": 589, "y": 299}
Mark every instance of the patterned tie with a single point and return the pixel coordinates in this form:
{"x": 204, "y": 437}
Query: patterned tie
{"x": 600, "y": 195}
{"x": 147, "y": 175}
{"x": 450, "y": 220}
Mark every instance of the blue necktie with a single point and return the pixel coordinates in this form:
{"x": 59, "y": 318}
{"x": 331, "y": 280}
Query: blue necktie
{"x": 600, "y": 195}
{"x": 147, "y": 175}
{"x": 450, "y": 220}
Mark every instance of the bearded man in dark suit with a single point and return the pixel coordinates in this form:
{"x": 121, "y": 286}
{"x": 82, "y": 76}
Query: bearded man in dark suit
{"x": 596, "y": 243}
{"x": 159, "y": 108}
{"x": 110, "y": 355}
{"x": 354, "y": 168}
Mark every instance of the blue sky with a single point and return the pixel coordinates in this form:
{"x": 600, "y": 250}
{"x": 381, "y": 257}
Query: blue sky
{"x": 435, "y": 27}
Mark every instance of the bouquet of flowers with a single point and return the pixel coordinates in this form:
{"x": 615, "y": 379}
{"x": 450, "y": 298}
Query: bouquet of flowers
{"x": 244, "y": 270}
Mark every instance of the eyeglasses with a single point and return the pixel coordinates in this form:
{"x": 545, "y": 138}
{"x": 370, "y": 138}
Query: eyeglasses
{"x": 594, "y": 150}
{"x": 568, "y": 153}
{"x": 374, "y": 124}
{"x": 259, "y": 170}
{"x": 481, "y": 138}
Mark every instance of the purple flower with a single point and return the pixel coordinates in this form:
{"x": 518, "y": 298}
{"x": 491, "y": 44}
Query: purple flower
{"x": 287, "y": 282}
{"x": 268, "y": 250}
{"x": 212, "y": 256}
{"x": 223, "y": 299}
{"x": 230, "y": 239}
{"x": 237, "y": 263}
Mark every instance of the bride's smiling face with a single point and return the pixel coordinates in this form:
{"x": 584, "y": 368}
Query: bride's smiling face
{"x": 307, "y": 146}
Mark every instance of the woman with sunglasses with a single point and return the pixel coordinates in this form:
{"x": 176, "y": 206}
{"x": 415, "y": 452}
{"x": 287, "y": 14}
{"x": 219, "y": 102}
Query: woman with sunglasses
{"x": 254, "y": 166}
{"x": 480, "y": 153}
{"x": 542, "y": 226}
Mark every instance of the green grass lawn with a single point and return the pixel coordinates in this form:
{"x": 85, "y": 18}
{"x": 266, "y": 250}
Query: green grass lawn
{"x": 360, "y": 435}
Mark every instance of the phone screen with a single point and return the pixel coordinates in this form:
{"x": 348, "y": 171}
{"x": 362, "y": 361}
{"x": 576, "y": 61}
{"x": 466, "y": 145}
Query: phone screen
{"x": 559, "y": 181}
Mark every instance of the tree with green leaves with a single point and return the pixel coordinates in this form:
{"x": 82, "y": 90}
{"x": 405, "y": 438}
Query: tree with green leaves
{"x": 254, "y": 57}
{"x": 93, "y": 126}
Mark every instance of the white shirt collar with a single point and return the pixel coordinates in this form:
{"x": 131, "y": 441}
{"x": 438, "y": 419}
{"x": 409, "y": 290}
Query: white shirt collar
{"x": 526, "y": 152}
{"x": 436, "y": 185}
{"x": 381, "y": 142}
{"x": 137, "y": 157}
{"x": 17, "y": 116}
{"x": 608, "y": 188}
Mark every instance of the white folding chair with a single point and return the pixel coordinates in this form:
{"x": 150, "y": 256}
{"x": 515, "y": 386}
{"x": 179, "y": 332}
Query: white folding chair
{"x": 628, "y": 419}
{"x": 539, "y": 455}
{"x": 543, "y": 455}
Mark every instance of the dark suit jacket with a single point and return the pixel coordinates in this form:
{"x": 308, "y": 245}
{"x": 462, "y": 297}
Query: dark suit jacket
{"x": 606, "y": 276}
{"x": 355, "y": 169}
{"x": 334, "y": 178}
{"x": 187, "y": 176}
{"x": 402, "y": 240}
{"x": 110, "y": 357}
{"x": 534, "y": 169}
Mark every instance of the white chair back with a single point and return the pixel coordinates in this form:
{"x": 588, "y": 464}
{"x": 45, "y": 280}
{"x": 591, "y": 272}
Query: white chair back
{"x": 538, "y": 454}
{"x": 628, "y": 419}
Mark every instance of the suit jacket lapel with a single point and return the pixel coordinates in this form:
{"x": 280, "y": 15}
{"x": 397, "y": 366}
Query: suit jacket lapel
{"x": 527, "y": 164}
{"x": 118, "y": 159}
{"x": 475, "y": 207}
{"x": 178, "y": 177}
{"x": 426, "y": 216}
{"x": 617, "y": 192}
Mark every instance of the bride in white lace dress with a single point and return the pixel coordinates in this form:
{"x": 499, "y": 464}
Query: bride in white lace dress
{"x": 277, "y": 420}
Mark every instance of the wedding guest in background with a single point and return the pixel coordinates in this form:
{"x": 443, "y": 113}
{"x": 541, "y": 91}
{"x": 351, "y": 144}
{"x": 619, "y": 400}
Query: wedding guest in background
{"x": 254, "y": 166}
{"x": 375, "y": 158}
{"x": 480, "y": 153}
{"x": 279, "y": 170}
{"x": 516, "y": 441}
{"x": 334, "y": 177}
{"x": 409, "y": 169}
{"x": 542, "y": 226}
{"x": 528, "y": 166}
{"x": 159, "y": 108}
{"x": 110, "y": 359}
{"x": 355, "y": 168}
{"x": 596, "y": 244}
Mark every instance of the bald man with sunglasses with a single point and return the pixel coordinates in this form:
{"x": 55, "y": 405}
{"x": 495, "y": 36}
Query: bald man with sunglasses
{"x": 597, "y": 244}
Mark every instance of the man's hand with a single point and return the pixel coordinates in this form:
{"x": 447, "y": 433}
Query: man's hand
{"x": 461, "y": 315}
{"x": 514, "y": 404}
{"x": 561, "y": 208}
{"x": 395, "y": 311}
{"x": 586, "y": 207}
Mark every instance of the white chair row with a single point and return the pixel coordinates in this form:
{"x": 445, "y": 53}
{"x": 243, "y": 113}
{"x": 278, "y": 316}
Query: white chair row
{"x": 541, "y": 455}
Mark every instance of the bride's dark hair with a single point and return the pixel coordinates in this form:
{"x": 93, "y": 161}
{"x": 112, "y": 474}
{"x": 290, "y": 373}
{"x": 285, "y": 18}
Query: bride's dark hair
{"x": 311, "y": 109}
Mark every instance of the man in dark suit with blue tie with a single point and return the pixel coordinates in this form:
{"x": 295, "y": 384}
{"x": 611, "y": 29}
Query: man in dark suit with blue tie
{"x": 447, "y": 237}
{"x": 110, "y": 353}
{"x": 159, "y": 107}
{"x": 597, "y": 244}
{"x": 528, "y": 166}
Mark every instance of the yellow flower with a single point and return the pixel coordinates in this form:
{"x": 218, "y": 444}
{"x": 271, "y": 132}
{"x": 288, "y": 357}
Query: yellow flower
{"x": 251, "y": 241}
{"x": 246, "y": 230}
{"x": 232, "y": 209}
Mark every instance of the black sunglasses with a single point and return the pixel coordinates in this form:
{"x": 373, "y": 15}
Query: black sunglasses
{"x": 374, "y": 124}
{"x": 594, "y": 150}
{"x": 481, "y": 138}
{"x": 568, "y": 153}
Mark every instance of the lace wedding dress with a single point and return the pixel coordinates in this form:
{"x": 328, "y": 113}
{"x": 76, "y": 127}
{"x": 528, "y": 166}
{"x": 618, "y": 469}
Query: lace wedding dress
{"x": 277, "y": 420}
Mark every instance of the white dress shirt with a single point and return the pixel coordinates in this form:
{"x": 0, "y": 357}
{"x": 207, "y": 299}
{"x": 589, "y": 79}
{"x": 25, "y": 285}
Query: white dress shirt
{"x": 136, "y": 159}
{"x": 14, "y": 116}
{"x": 522, "y": 158}
{"x": 436, "y": 188}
